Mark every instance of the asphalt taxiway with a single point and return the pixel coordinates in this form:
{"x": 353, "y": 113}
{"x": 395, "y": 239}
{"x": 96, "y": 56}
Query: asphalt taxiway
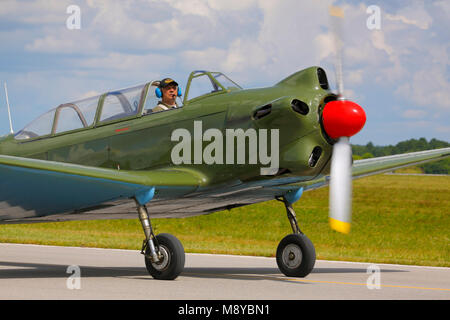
{"x": 49, "y": 272}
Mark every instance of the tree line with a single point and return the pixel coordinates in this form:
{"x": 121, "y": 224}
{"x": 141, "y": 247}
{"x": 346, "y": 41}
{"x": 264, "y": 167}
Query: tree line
{"x": 412, "y": 145}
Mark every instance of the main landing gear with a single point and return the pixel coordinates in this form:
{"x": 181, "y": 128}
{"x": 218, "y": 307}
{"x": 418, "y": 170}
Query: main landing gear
{"x": 296, "y": 254}
{"x": 164, "y": 254}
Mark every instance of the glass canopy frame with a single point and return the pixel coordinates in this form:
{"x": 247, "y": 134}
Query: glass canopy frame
{"x": 90, "y": 112}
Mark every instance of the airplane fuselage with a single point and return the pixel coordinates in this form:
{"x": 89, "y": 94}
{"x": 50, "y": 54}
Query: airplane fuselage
{"x": 145, "y": 141}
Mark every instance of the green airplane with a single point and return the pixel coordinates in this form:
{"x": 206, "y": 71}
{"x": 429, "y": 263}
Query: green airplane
{"x": 220, "y": 147}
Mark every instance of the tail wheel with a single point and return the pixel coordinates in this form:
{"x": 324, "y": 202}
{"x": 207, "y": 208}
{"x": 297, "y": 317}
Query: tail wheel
{"x": 171, "y": 263}
{"x": 296, "y": 255}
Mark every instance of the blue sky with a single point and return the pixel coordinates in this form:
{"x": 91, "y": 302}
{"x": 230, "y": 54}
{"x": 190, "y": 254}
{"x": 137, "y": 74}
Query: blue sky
{"x": 400, "y": 73}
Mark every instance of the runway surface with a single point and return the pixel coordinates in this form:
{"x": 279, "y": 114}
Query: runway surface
{"x": 47, "y": 272}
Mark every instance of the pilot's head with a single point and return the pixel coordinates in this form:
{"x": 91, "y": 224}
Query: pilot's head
{"x": 169, "y": 90}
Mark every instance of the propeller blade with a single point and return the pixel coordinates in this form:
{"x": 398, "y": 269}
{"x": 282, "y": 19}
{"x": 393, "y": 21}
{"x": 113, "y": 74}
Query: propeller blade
{"x": 341, "y": 186}
{"x": 341, "y": 159}
{"x": 336, "y": 19}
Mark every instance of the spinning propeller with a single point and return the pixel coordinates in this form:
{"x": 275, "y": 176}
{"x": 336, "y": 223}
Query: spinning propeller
{"x": 341, "y": 120}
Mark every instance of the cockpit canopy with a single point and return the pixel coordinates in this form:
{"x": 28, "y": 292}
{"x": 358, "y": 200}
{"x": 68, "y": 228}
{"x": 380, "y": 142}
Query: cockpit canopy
{"x": 81, "y": 114}
{"x": 66, "y": 117}
{"x": 120, "y": 105}
{"x": 202, "y": 83}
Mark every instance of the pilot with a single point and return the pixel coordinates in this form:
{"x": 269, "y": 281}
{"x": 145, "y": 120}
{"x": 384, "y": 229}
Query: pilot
{"x": 168, "y": 91}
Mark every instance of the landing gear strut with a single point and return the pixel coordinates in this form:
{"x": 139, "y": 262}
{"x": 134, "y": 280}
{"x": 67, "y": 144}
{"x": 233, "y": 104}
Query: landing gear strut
{"x": 164, "y": 254}
{"x": 296, "y": 254}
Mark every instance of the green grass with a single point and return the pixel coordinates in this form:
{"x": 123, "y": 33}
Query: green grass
{"x": 396, "y": 219}
{"x": 413, "y": 169}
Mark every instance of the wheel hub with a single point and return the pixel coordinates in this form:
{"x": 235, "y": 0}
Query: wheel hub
{"x": 292, "y": 256}
{"x": 164, "y": 260}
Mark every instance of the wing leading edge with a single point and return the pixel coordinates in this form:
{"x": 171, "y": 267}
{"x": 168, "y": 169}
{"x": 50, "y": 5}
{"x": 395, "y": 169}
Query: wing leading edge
{"x": 34, "y": 188}
{"x": 372, "y": 166}
{"x": 366, "y": 167}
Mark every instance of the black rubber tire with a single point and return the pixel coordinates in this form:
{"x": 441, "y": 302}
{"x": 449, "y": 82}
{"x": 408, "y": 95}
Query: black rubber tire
{"x": 174, "y": 258}
{"x": 290, "y": 262}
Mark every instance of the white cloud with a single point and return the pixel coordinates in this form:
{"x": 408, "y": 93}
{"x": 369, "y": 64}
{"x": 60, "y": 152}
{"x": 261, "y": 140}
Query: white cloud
{"x": 88, "y": 94}
{"x": 414, "y": 14}
{"x": 208, "y": 58}
{"x": 246, "y": 54}
{"x": 420, "y": 24}
{"x": 428, "y": 87}
{"x": 194, "y": 7}
{"x": 65, "y": 41}
{"x": 379, "y": 43}
{"x": 37, "y": 12}
{"x": 413, "y": 114}
{"x": 355, "y": 77}
{"x": 324, "y": 45}
{"x": 128, "y": 62}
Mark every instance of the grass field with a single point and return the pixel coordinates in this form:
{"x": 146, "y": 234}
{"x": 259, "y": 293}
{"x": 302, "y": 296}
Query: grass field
{"x": 396, "y": 219}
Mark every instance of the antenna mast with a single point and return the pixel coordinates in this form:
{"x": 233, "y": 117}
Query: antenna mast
{"x": 9, "y": 111}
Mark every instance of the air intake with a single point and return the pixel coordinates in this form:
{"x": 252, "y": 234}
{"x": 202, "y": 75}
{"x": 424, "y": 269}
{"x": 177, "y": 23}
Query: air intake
{"x": 322, "y": 76}
{"x": 300, "y": 107}
{"x": 315, "y": 156}
{"x": 262, "y": 112}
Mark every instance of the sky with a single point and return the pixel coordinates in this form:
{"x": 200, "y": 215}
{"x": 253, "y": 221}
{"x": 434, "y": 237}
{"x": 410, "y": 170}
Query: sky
{"x": 396, "y": 64}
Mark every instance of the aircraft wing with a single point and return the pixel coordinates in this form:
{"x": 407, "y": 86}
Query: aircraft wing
{"x": 237, "y": 194}
{"x": 36, "y": 188}
{"x": 372, "y": 166}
